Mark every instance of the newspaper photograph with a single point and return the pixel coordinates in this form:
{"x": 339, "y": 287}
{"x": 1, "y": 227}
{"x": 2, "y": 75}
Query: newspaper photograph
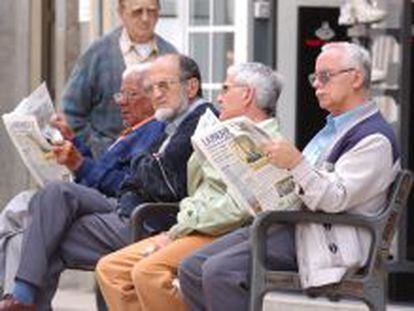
{"x": 29, "y": 130}
{"x": 233, "y": 148}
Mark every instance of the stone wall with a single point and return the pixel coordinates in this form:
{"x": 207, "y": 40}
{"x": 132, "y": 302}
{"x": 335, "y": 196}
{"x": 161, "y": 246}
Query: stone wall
{"x": 14, "y": 85}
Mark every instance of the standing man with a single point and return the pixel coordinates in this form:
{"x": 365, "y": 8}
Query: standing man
{"x": 73, "y": 226}
{"x": 347, "y": 167}
{"x": 87, "y": 100}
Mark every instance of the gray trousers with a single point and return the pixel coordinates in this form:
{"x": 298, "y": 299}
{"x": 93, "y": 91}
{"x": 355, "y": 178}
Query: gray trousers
{"x": 72, "y": 226}
{"x": 216, "y": 277}
{"x": 14, "y": 218}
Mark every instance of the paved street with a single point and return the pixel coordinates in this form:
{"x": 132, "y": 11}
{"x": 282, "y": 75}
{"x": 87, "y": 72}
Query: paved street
{"x": 76, "y": 292}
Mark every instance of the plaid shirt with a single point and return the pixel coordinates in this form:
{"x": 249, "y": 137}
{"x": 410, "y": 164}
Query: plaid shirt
{"x": 130, "y": 52}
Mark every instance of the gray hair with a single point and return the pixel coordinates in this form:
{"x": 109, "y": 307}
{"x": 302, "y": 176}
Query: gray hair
{"x": 136, "y": 70}
{"x": 264, "y": 80}
{"x": 355, "y": 56}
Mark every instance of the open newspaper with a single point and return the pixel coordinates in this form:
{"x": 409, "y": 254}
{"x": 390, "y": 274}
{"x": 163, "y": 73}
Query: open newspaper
{"x": 29, "y": 129}
{"x": 233, "y": 148}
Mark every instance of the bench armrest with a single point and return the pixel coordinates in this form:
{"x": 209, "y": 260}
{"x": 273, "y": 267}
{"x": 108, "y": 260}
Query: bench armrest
{"x": 146, "y": 211}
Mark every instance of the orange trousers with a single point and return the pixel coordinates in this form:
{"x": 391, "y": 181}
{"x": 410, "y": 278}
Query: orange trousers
{"x": 130, "y": 280}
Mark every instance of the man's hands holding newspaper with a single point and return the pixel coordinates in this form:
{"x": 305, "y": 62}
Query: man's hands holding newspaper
{"x": 282, "y": 153}
{"x": 58, "y": 121}
{"x": 65, "y": 152}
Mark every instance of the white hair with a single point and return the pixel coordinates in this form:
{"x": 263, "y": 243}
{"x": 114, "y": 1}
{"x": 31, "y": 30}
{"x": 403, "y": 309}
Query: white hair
{"x": 355, "y": 56}
{"x": 264, "y": 80}
{"x": 136, "y": 69}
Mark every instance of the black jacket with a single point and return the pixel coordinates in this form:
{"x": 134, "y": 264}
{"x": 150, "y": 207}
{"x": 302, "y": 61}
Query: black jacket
{"x": 161, "y": 177}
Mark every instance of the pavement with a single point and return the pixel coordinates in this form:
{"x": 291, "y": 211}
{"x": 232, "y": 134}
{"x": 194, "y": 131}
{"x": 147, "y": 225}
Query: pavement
{"x": 296, "y": 302}
{"x": 76, "y": 292}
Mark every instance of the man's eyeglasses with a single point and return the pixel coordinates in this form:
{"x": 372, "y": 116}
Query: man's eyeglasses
{"x": 225, "y": 88}
{"x": 125, "y": 95}
{"x": 163, "y": 86}
{"x": 325, "y": 76}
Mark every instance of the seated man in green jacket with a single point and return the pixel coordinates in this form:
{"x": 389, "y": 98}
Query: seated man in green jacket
{"x": 141, "y": 275}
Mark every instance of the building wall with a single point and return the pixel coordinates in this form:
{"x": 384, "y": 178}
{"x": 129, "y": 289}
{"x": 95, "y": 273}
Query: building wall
{"x": 286, "y": 45}
{"x": 65, "y": 43}
{"x": 15, "y": 80}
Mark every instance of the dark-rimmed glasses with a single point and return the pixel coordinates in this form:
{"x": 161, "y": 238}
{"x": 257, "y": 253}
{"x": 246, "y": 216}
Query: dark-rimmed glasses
{"x": 325, "y": 76}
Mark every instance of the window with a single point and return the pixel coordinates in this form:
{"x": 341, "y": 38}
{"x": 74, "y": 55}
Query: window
{"x": 216, "y": 29}
{"x": 168, "y": 8}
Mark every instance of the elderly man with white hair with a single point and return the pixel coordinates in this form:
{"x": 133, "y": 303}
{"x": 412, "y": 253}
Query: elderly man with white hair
{"x": 347, "y": 167}
{"x": 104, "y": 173}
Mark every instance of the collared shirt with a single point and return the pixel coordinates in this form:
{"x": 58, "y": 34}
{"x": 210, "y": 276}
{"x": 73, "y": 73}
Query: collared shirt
{"x": 129, "y": 130}
{"x": 333, "y": 126}
{"x": 136, "y": 53}
{"x": 173, "y": 125}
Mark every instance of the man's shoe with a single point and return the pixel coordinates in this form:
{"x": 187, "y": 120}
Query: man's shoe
{"x": 9, "y": 303}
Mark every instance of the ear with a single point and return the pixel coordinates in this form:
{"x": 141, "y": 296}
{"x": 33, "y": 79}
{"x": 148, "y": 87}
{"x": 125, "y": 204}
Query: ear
{"x": 193, "y": 86}
{"x": 119, "y": 10}
{"x": 358, "y": 80}
{"x": 249, "y": 95}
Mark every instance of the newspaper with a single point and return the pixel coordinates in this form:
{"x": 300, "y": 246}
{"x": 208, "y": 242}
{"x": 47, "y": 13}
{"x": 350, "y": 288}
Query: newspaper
{"x": 29, "y": 129}
{"x": 233, "y": 149}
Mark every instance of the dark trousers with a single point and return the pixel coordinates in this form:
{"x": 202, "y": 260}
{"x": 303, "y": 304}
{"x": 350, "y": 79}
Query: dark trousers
{"x": 72, "y": 227}
{"x": 216, "y": 277}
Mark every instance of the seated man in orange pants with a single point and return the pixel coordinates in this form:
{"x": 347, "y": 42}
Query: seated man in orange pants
{"x": 140, "y": 276}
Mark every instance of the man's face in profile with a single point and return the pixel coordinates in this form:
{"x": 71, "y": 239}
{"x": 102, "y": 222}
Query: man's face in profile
{"x": 231, "y": 99}
{"x": 135, "y": 105}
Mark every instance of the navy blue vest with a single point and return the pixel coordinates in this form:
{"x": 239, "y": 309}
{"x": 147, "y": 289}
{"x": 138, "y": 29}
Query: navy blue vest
{"x": 374, "y": 124}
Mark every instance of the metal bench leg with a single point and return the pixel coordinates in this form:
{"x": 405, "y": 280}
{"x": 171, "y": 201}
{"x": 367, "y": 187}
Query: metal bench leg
{"x": 100, "y": 301}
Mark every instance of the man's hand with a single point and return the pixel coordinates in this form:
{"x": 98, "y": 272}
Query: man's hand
{"x": 282, "y": 153}
{"x": 58, "y": 121}
{"x": 67, "y": 154}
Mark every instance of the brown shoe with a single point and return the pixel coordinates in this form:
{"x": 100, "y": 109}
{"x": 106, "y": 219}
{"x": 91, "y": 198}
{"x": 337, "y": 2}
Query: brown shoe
{"x": 9, "y": 303}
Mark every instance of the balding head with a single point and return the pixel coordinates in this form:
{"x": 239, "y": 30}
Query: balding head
{"x": 174, "y": 83}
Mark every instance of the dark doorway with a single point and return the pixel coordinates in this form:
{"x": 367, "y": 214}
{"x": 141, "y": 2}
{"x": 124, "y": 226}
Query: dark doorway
{"x": 317, "y": 26}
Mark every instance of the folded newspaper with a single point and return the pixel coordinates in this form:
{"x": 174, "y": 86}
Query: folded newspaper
{"x": 233, "y": 147}
{"x": 29, "y": 129}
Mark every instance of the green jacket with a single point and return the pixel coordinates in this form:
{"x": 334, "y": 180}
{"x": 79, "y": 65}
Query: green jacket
{"x": 210, "y": 207}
